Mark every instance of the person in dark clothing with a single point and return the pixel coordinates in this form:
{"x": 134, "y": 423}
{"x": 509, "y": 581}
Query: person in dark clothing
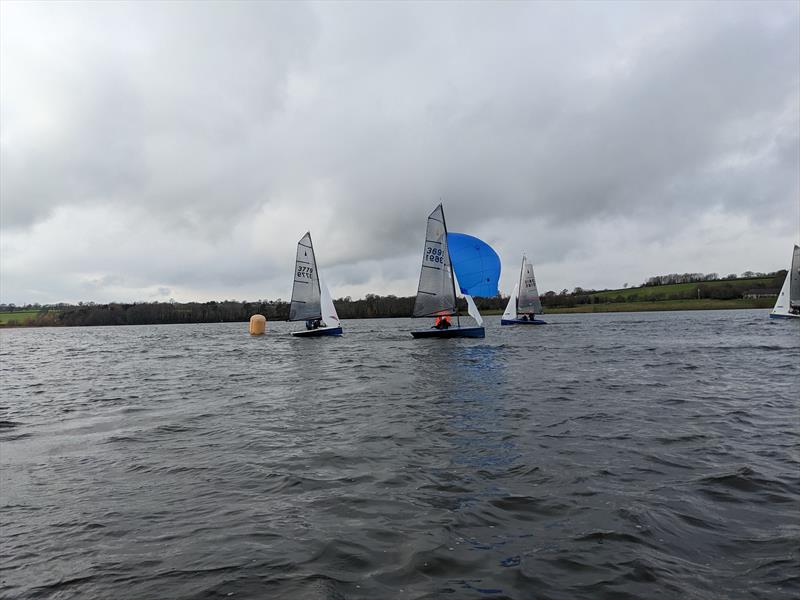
{"x": 442, "y": 322}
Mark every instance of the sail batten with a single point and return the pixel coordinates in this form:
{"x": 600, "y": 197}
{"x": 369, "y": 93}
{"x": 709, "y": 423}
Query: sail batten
{"x": 436, "y": 290}
{"x": 305, "y": 302}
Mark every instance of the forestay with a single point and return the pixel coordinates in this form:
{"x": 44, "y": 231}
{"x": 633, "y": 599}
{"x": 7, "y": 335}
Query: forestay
{"x": 305, "y": 291}
{"x": 436, "y": 293}
{"x": 528, "y": 298}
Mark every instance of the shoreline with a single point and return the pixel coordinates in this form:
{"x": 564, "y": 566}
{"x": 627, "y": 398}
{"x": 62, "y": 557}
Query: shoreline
{"x": 611, "y": 307}
{"x": 656, "y": 306}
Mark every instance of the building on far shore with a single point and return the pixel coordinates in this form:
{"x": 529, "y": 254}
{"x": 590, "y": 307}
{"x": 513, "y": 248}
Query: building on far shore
{"x": 760, "y": 293}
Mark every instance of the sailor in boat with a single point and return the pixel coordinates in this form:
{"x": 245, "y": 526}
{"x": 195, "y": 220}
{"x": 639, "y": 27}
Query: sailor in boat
{"x": 442, "y": 322}
{"x": 313, "y": 324}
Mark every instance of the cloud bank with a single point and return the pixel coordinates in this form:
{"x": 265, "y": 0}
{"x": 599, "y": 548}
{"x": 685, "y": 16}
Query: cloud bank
{"x": 155, "y": 150}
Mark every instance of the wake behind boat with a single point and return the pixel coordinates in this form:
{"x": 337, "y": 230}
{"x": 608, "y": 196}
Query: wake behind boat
{"x": 524, "y": 302}
{"x": 436, "y": 293}
{"x": 311, "y": 299}
{"x": 788, "y": 304}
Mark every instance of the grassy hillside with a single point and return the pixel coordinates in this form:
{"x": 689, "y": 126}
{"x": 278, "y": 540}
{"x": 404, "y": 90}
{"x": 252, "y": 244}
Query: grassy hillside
{"x": 677, "y": 288}
{"x": 20, "y": 316}
{"x": 701, "y": 304}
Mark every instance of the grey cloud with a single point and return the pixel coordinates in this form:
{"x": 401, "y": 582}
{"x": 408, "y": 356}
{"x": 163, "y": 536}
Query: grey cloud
{"x": 359, "y": 118}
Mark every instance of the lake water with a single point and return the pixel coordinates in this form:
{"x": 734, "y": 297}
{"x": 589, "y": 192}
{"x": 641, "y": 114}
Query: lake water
{"x": 610, "y": 455}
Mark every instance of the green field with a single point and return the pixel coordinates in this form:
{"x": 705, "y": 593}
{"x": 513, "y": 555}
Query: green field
{"x": 20, "y": 316}
{"x": 701, "y": 304}
{"x": 677, "y": 288}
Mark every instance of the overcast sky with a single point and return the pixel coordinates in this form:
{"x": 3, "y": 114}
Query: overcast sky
{"x": 179, "y": 150}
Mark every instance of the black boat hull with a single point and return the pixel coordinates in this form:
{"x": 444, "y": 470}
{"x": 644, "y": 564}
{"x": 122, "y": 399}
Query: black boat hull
{"x": 320, "y": 332}
{"x": 452, "y": 332}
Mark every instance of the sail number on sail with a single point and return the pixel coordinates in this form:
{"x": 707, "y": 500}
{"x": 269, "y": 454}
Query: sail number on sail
{"x": 433, "y": 255}
{"x": 305, "y": 272}
{"x": 529, "y": 282}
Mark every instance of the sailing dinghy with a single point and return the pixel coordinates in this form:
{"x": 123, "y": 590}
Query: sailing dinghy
{"x": 311, "y": 300}
{"x": 788, "y": 303}
{"x": 524, "y": 302}
{"x": 436, "y": 294}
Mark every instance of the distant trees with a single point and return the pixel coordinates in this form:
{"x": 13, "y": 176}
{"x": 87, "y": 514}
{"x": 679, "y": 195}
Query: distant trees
{"x": 674, "y": 278}
{"x": 373, "y": 305}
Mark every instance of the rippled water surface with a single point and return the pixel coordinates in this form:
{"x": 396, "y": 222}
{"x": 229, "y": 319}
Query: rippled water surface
{"x": 617, "y": 455}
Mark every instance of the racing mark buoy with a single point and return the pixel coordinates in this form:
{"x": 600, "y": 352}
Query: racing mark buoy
{"x": 258, "y": 324}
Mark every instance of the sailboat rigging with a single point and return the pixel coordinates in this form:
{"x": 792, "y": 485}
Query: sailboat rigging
{"x": 311, "y": 299}
{"x": 524, "y": 302}
{"x": 436, "y": 293}
{"x": 788, "y": 304}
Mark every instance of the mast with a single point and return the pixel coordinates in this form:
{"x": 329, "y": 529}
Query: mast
{"x": 450, "y": 262}
{"x": 316, "y": 269}
{"x": 794, "y": 278}
{"x": 521, "y": 273}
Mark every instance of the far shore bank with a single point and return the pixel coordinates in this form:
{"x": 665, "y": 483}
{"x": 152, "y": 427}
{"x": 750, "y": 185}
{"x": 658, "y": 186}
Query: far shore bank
{"x": 610, "y": 307}
{"x": 666, "y": 305}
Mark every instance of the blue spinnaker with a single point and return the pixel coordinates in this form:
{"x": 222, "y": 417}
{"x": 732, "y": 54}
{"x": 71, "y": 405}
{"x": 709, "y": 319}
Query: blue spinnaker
{"x": 475, "y": 263}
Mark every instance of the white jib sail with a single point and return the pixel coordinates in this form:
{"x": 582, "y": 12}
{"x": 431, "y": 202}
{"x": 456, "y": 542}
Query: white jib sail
{"x": 329, "y": 316}
{"x": 782, "y": 303}
{"x": 511, "y": 308}
{"x": 789, "y": 297}
{"x": 305, "y": 291}
{"x": 436, "y": 293}
{"x": 473, "y": 310}
{"x": 528, "y": 299}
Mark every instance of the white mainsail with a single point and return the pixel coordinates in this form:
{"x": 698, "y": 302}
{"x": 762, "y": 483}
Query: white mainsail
{"x": 305, "y": 291}
{"x": 329, "y": 316}
{"x": 511, "y": 308}
{"x": 436, "y": 294}
{"x": 528, "y": 298}
{"x": 789, "y": 297}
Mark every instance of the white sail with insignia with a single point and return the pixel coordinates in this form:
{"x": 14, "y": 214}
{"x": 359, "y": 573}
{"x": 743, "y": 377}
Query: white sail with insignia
{"x": 305, "y": 303}
{"x": 528, "y": 299}
{"x": 436, "y": 294}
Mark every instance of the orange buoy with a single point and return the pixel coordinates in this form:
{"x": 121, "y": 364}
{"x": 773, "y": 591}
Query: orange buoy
{"x": 258, "y": 324}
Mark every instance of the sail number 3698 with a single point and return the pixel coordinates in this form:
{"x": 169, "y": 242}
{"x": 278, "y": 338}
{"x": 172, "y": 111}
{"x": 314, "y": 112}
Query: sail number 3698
{"x": 434, "y": 255}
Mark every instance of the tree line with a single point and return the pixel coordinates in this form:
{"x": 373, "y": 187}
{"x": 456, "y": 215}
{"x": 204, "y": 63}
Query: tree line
{"x": 674, "y": 278}
{"x": 370, "y": 307}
